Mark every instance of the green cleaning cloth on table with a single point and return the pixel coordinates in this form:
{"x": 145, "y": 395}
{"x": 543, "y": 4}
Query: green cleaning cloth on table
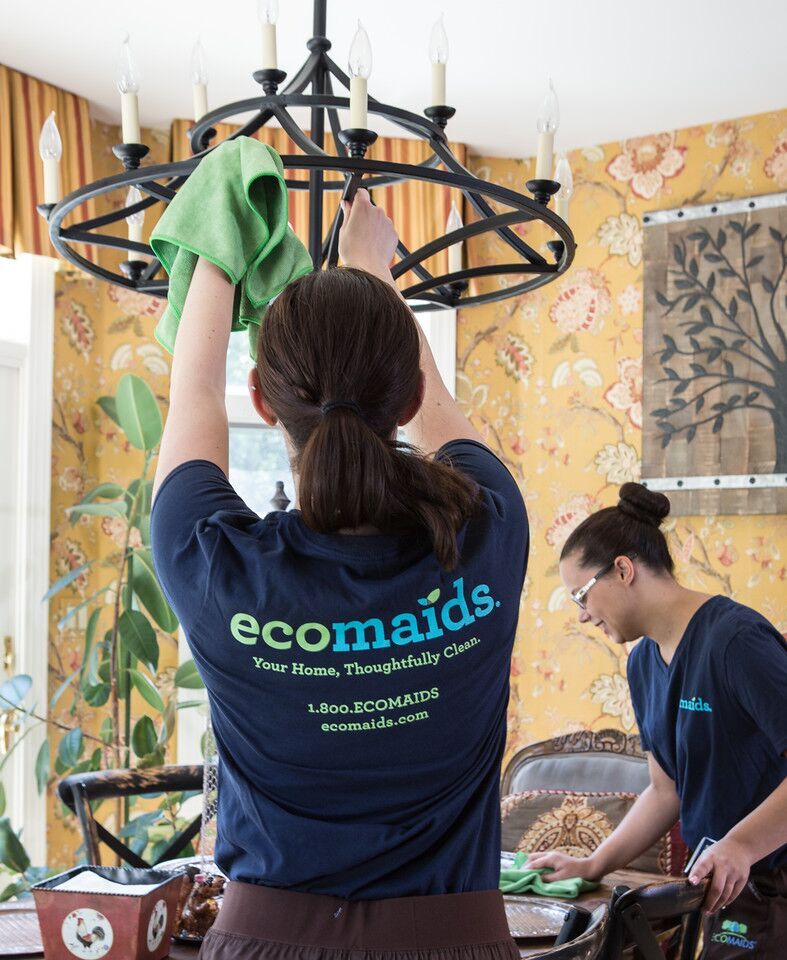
{"x": 522, "y": 880}
{"x": 232, "y": 210}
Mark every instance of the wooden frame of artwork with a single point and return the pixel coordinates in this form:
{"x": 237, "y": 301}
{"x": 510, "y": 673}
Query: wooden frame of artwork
{"x": 715, "y": 356}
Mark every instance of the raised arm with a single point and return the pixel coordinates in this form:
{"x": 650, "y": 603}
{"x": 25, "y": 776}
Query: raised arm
{"x": 196, "y": 427}
{"x": 368, "y": 241}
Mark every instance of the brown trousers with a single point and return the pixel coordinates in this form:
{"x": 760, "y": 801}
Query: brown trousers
{"x": 754, "y": 925}
{"x": 263, "y": 923}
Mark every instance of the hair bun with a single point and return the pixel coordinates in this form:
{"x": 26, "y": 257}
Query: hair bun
{"x": 641, "y": 504}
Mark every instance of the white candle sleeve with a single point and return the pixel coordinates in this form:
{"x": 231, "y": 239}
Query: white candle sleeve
{"x": 269, "y": 59}
{"x": 455, "y": 257}
{"x": 135, "y": 232}
{"x": 561, "y": 207}
{"x": 129, "y": 108}
{"x": 358, "y": 103}
{"x": 200, "y": 97}
{"x": 51, "y": 181}
{"x": 438, "y": 84}
{"x": 544, "y": 156}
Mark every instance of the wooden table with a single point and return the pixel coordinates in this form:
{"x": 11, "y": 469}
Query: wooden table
{"x": 528, "y": 948}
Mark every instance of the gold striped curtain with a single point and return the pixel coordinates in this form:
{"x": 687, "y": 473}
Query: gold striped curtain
{"x": 6, "y": 166}
{"x": 31, "y": 102}
{"x": 418, "y": 209}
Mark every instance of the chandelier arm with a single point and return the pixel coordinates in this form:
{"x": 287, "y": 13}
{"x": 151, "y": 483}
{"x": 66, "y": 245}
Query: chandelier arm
{"x": 456, "y": 236}
{"x": 161, "y": 192}
{"x": 295, "y": 134}
{"x": 484, "y": 209}
{"x": 75, "y": 235}
{"x": 303, "y": 77}
{"x": 494, "y": 296}
{"x": 333, "y": 120}
{"x": 485, "y": 270}
{"x": 418, "y": 269}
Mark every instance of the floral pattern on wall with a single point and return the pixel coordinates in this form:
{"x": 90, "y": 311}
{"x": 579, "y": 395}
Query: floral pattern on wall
{"x": 101, "y": 332}
{"x": 554, "y": 382}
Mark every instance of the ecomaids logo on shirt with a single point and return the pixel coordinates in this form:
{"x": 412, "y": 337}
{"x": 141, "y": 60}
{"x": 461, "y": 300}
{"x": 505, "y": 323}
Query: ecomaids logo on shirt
{"x": 431, "y": 622}
{"x": 696, "y": 705}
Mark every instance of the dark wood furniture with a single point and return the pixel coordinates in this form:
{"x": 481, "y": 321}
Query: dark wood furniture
{"x": 80, "y": 790}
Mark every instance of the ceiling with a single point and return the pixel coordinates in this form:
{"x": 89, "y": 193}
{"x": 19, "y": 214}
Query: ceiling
{"x": 621, "y": 68}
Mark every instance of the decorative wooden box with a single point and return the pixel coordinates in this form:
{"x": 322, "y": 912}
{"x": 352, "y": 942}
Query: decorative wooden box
{"x": 108, "y": 921}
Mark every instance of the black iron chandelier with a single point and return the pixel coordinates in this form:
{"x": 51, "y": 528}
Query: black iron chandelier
{"x": 159, "y": 183}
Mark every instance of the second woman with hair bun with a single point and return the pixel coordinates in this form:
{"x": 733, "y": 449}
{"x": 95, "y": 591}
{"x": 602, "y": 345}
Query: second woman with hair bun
{"x": 708, "y": 680}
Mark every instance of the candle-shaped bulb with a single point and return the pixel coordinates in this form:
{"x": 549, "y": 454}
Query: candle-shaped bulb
{"x": 268, "y": 11}
{"x": 50, "y": 146}
{"x": 549, "y": 115}
{"x": 564, "y": 177}
{"x": 133, "y": 196}
{"x": 454, "y": 221}
{"x": 455, "y": 251}
{"x": 199, "y": 64}
{"x": 134, "y": 220}
{"x": 360, "y": 59}
{"x": 438, "y": 42}
{"x": 126, "y": 76}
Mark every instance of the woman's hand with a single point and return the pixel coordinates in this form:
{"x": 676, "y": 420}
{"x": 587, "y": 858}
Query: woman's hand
{"x": 368, "y": 238}
{"x": 562, "y": 867}
{"x": 727, "y": 863}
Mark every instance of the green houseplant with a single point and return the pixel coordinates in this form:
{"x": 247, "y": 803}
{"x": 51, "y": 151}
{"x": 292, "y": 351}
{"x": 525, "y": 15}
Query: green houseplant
{"x": 127, "y": 618}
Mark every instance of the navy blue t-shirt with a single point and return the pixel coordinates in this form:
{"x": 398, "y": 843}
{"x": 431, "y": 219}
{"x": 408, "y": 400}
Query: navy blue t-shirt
{"x": 715, "y": 719}
{"x": 358, "y": 690}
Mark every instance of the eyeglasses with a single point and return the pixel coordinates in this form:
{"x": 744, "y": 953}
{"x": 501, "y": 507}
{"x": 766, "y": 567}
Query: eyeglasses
{"x": 578, "y": 596}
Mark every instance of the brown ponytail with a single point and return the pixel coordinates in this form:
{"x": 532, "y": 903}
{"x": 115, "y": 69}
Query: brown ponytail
{"x": 345, "y": 336}
{"x": 631, "y": 527}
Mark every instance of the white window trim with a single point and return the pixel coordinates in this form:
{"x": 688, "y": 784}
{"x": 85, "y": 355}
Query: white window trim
{"x": 27, "y": 331}
{"x": 439, "y": 328}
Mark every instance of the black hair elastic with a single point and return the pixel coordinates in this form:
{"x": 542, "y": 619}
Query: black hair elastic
{"x": 347, "y": 404}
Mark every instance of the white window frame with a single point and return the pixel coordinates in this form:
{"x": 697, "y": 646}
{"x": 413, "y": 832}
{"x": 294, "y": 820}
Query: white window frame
{"x": 439, "y": 328}
{"x": 26, "y": 335}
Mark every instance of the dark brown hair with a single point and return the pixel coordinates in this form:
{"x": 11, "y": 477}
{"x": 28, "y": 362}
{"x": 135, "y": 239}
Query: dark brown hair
{"x": 344, "y": 335}
{"x": 628, "y": 528}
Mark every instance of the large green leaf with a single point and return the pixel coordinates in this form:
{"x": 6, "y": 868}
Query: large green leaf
{"x": 67, "y": 578}
{"x": 108, "y": 491}
{"x": 142, "y": 492}
{"x": 186, "y": 676}
{"x": 75, "y": 610}
{"x": 62, "y": 688}
{"x": 147, "y": 588}
{"x": 138, "y": 412}
{"x": 90, "y": 652}
{"x": 12, "y": 853}
{"x": 144, "y": 739}
{"x": 96, "y": 694}
{"x": 14, "y": 691}
{"x": 147, "y": 690}
{"x": 71, "y": 747}
{"x": 139, "y": 637}
{"x": 110, "y": 408}
{"x": 42, "y": 766}
{"x": 112, "y": 508}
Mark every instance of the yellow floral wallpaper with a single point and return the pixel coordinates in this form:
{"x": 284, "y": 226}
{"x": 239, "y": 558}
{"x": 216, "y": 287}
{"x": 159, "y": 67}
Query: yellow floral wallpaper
{"x": 554, "y": 382}
{"x": 101, "y": 333}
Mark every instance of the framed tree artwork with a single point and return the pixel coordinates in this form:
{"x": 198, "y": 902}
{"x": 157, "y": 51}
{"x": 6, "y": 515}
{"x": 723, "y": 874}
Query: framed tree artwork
{"x": 715, "y": 356}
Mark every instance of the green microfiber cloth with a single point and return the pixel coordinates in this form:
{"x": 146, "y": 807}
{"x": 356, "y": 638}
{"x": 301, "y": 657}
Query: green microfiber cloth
{"x": 518, "y": 880}
{"x": 232, "y": 210}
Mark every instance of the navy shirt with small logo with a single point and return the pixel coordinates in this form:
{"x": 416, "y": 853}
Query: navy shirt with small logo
{"x": 715, "y": 719}
{"x": 358, "y": 690}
